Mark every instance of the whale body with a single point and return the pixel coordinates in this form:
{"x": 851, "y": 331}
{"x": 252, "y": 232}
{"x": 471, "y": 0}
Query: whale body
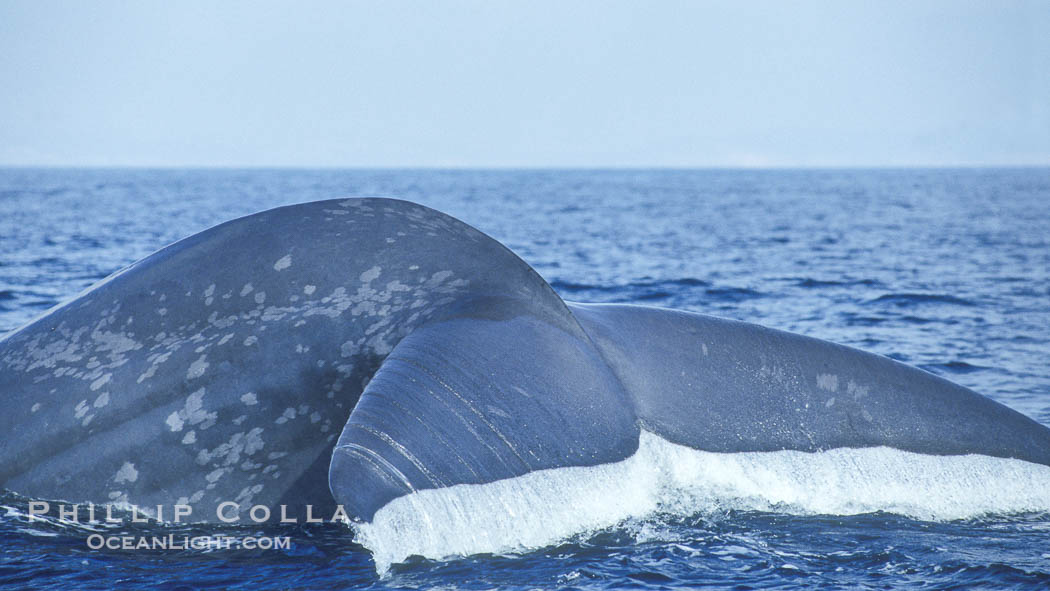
{"x": 358, "y": 351}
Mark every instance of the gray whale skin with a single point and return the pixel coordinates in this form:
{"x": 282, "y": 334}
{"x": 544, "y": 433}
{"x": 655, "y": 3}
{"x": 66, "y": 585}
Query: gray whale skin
{"x": 353, "y": 351}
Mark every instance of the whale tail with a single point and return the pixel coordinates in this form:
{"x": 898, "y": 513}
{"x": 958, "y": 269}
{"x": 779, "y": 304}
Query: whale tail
{"x": 364, "y": 350}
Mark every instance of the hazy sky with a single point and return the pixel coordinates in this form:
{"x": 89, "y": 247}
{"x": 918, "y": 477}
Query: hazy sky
{"x": 491, "y": 83}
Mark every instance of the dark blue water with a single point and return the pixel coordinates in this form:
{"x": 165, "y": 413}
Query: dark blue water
{"x": 948, "y": 270}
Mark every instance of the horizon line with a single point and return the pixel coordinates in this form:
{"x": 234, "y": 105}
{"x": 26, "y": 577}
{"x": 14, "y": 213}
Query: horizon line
{"x": 460, "y": 167}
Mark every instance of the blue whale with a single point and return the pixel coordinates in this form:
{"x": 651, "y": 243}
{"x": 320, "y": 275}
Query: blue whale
{"x": 356, "y": 351}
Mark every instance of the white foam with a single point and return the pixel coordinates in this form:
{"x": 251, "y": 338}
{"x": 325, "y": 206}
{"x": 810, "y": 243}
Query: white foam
{"x": 545, "y": 507}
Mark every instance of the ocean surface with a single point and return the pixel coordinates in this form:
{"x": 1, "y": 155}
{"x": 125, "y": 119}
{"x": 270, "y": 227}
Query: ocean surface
{"x": 947, "y": 270}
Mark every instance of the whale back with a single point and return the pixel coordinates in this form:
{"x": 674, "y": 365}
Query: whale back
{"x": 224, "y": 366}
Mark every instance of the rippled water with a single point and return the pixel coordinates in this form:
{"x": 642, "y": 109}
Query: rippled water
{"x": 948, "y": 270}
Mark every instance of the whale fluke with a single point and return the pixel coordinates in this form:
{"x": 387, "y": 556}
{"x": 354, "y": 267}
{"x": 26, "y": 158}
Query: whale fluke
{"x": 491, "y": 392}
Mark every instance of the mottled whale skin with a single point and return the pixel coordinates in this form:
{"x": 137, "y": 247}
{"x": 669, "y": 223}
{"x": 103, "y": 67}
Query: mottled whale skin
{"x": 354, "y": 351}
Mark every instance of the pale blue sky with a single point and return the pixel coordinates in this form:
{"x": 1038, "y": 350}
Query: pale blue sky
{"x": 570, "y": 84}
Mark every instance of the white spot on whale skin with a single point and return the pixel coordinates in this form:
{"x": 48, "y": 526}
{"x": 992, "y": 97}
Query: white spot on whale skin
{"x": 175, "y": 422}
{"x": 260, "y": 297}
{"x": 827, "y": 381}
{"x": 283, "y": 263}
{"x": 194, "y": 411}
{"x": 127, "y": 473}
{"x": 289, "y": 413}
{"x": 210, "y": 291}
{"x": 35, "y": 408}
{"x": 197, "y": 368}
{"x": 253, "y": 441}
{"x": 247, "y": 289}
{"x": 249, "y": 399}
{"x": 190, "y": 438}
{"x": 830, "y": 402}
{"x": 80, "y": 409}
{"x": 215, "y": 475}
{"x": 348, "y": 349}
{"x": 371, "y": 274}
{"x": 251, "y": 340}
{"x": 703, "y": 347}
{"x": 439, "y": 277}
{"x": 102, "y": 400}
{"x": 396, "y": 285}
{"x": 309, "y": 289}
{"x": 102, "y": 381}
{"x": 856, "y": 390}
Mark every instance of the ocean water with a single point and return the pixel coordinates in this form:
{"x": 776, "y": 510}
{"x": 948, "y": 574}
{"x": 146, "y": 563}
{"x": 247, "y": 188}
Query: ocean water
{"x": 947, "y": 270}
